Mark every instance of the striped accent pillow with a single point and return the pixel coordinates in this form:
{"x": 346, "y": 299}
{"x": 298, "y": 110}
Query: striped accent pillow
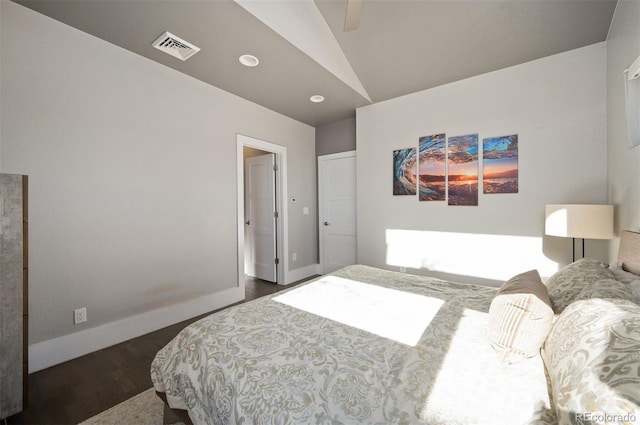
{"x": 520, "y": 318}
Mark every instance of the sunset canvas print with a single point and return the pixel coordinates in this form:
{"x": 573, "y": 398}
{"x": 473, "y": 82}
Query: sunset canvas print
{"x": 404, "y": 171}
{"x": 500, "y": 164}
{"x": 463, "y": 170}
{"x": 432, "y": 168}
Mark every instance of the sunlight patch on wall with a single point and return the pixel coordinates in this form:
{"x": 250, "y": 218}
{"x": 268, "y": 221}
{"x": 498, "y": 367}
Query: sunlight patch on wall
{"x": 389, "y": 313}
{"x": 479, "y": 255}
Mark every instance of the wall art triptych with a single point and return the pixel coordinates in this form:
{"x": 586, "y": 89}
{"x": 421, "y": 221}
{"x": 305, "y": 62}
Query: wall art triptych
{"x": 448, "y": 170}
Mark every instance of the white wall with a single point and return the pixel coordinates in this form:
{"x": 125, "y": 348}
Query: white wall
{"x": 623, "y": 47}
{"x": 556, "y": 105}
{"x": 132, "y": 171}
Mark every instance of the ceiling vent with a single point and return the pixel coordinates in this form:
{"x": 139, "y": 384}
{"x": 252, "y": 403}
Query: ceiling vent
{"x": 175, "y": 46}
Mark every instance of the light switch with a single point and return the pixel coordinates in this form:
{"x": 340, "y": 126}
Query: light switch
{"x": 305, "y": 210}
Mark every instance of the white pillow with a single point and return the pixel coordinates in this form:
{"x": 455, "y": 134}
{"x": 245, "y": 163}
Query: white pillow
{"x": 591, "y": 355}
{"x": 520, "y": 318}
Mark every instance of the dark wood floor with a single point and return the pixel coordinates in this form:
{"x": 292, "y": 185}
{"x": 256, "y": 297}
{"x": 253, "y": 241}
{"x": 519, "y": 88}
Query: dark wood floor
{"x": 74, "y": 391}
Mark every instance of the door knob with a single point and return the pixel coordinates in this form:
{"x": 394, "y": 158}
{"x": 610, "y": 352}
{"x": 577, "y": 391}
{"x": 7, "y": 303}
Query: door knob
{"x": 248, "y": 222}
{"x": 326, "y": 223}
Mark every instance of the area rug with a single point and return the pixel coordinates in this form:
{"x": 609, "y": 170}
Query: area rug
{"x": 144, "y": 409}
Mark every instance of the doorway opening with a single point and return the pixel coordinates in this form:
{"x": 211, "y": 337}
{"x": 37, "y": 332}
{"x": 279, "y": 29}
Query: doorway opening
{"x": 262, "y": 218}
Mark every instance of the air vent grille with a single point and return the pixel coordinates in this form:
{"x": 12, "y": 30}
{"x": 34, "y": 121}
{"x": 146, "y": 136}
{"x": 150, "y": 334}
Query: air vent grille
{"x": 175, "y": 46}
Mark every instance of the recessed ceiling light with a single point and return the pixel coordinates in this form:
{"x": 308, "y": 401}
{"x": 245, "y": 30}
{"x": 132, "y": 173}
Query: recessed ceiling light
{"x": 316, "y": 98}
{"x": 249, "y": 60}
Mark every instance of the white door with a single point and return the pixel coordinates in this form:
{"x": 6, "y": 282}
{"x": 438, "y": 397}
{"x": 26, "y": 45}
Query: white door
{"x": 337, "y": 210}
{"x": 260, "y": 217}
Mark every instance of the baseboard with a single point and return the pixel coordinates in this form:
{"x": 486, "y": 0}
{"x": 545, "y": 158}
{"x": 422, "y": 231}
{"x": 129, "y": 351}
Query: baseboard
{"x": 58, "y": 350}
{"x": 302, "y": 273}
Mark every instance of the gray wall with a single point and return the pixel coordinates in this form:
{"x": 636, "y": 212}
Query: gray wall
{"x": 132, "y": 170}
{"x": 335, "y": 137}
{"x": 623, "y": 47}
{"x": 556, "y": 105}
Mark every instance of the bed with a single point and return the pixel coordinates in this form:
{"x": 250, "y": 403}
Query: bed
{"x": 370, "y": 346}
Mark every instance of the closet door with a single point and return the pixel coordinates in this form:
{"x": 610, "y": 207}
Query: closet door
{"x": 337, "y": 208}
{"x": 12, "y": 297}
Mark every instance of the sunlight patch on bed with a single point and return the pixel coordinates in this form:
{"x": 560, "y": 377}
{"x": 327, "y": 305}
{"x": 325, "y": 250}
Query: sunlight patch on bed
{"x": 473, "y": 387}
{"x": 389, "y": 313}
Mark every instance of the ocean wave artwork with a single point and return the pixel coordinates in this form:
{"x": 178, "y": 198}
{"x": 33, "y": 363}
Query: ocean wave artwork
{"x": 432, "y": 168}
{"x": 462, "y": 162}
{"x": 404, "y": 171}
{"x": 500, "y": 164}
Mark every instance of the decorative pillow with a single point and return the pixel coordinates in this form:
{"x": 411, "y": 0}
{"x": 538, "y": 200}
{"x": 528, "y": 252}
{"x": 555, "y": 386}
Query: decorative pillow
{"x": 606, "y": 289}
{"x": 520, "y": 318}
{"x": 568, "y": 282}
{"x": 633, "y": 280}
{"x": 593, "y": 360}
{"x": 621, "y": 274}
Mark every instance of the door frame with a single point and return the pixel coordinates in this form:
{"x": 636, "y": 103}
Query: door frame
{"x": 321, "y": 159}
{"x": 282, "y": 232}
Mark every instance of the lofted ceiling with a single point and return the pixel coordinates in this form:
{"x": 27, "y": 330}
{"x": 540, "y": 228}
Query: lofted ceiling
{"x": 400, "y": 46}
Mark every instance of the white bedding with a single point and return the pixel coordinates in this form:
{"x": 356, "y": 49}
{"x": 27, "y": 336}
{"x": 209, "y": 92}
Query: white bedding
{"x": 285, "y": 360}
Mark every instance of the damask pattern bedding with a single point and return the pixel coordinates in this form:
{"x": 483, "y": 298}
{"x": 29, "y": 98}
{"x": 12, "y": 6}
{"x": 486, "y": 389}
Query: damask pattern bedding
{"x": 270, "y": 361}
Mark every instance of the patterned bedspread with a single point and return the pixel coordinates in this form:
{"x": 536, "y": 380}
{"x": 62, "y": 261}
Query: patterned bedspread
{"x": 304, "y": 356}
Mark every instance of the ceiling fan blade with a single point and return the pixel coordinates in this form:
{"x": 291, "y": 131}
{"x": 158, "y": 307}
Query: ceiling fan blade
{"x": 352, "y": 17}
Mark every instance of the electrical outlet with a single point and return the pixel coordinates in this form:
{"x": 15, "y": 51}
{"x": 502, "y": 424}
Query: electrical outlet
{"x": 294, "y": 256}
{"x": 80, "y": 315}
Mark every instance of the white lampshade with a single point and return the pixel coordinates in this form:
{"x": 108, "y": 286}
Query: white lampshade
{"x": 579, "y": 221}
